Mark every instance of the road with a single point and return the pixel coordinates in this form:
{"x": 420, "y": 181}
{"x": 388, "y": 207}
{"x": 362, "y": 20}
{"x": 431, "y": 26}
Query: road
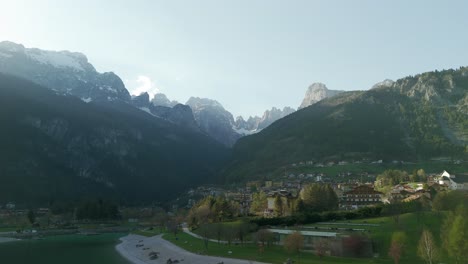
{"x": 140, "y": 254}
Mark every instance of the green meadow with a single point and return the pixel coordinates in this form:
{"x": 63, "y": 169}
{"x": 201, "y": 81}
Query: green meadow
{"x": 272, "y": 254}
{"x": 412, "y": 224}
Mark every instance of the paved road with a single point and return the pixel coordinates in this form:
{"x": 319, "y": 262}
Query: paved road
{"x": 139, "y": 255}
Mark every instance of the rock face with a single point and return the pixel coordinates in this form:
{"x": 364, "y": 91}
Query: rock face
{"x": 256, "y": 123}
{"x": 317, "y": 92}
{"x": 384, "y": 83}
{"x": 70, "y": 73}
{"x": 214, "y": 120}
{"x": 178, "y": 114}
{"x": 160, "y": 99}
{"x": 62, "y": 71}
{"x": 247, "y": 127}
{"x": 272, "y": 115}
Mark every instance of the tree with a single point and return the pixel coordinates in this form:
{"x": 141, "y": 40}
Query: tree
{"x": 396, "y": 246}
{"x": 449, "y": 200}
{"x": 294, "y": 243}
{"x": 392, "y": 177}
{"x": 229, "y": 233}
{"x": 355, "y": 244}
{"x": 242, "y": 230}
{"x": 206, "y": 231}
{"x": 31, "y": 216}
{"x": 278, "y": 206}
{"x": 264, "y": 236}
{"x": 456, "y": 235}
{"x": 259, "y": 202}
{"x": 219, "y": 228}
{"x": 319, "y": 197}
{"x": 427, "y": 249}
{"x": 299, "y": 205}
{"x": 321, "y": 247}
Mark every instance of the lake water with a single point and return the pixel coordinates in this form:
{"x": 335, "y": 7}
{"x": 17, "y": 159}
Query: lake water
{"x": 69, "y": 249}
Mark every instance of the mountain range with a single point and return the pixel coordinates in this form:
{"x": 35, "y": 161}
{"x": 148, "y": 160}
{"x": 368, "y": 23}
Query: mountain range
{"x": 56, "y": 147}
{"x": 415, "y": 118}
{"x": 70, "y": 73}
{"x": 69, "y": 131}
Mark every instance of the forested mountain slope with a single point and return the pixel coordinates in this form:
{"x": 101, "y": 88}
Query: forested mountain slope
{"x": 55, "y": 147}
{"x": 414, "y": 118}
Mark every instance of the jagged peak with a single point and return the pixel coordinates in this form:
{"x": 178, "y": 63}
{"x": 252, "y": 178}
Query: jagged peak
{"x": 199, "y": 102}
{"x": 59, "y": 59}
{"x": 384, "y": 83}
{"x": 11, "y": 46}
{"x": 239, "y": 118}
{"x": 161, "y": 99}
{"x": 317, "y": 86}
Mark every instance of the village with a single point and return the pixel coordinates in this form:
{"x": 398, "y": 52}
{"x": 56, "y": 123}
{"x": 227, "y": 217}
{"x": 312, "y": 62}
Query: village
{"x": 354, "y": 190}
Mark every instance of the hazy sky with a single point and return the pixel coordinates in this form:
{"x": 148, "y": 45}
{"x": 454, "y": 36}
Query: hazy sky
{"x": 249, "y": 55}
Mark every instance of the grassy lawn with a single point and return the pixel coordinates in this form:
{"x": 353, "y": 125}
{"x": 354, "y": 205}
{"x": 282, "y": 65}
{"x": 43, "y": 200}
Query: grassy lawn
{"x": 412, "y": 224}
{"x": 232, "y": 224}
{"x": 147, "y": 233}
{"x": 8, "y": 229}
{"x": 273, "y": 254}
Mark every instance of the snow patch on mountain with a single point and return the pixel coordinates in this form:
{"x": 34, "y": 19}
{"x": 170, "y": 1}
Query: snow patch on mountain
{"x": 2, "y": 54}
{"x": 146, "y": 109}
{"x": 60, "y": 59}
{"x": 243, "y": 131}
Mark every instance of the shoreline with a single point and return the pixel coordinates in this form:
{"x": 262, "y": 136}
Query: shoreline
{"x": 8, "y": 239}
{"x": 136, "y": 249}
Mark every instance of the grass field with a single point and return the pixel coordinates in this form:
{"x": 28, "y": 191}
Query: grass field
{"x": 147, "y": 232}
{"x": 70, "y": 249}
{"x": 412, "y": 224}
{"x": 273, "y": 254}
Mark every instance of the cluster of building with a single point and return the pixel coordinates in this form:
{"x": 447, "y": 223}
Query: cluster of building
{"x": 351, "y": 195}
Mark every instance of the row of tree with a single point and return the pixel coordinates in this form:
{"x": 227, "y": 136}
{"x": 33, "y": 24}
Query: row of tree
{"x": 454, "y": 236}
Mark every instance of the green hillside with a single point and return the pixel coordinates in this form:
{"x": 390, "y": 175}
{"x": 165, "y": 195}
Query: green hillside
{"x": 416, "y": 118}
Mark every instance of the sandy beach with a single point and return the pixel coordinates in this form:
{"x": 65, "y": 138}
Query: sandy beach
{"x": 140, "y": 254}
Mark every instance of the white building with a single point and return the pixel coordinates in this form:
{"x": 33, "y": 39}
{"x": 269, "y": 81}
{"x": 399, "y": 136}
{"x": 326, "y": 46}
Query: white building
{"x": 451, "y": 181}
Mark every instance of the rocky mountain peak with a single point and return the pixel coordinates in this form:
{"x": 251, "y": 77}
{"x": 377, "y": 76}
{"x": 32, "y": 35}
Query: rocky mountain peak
{"x": 11, "y": 46}
{"x": 197, "y": 102}
{"x": 62, "y": 71}
{"x": 161, "y": 99}
{"x": 141, "y": 100}
{"x": 384, "y": 83}
{"x": 255, "y": 123}
{"x": 317, "y": 92}
{"x": 214, "y": 120}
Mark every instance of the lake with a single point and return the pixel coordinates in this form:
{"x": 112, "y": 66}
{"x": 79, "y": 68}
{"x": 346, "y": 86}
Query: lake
{"x": 66, "y": 249}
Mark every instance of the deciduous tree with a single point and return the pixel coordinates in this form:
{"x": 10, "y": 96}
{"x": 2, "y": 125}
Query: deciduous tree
{"x": 294, "y": 243}
{"x": 396, "y": 246}
{"x": 427, "y": 248}
{"x": 259, "y": 202}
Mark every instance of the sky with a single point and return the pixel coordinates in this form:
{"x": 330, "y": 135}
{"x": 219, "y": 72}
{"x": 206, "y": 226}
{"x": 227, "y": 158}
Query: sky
{"x": 249, "y": 55}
